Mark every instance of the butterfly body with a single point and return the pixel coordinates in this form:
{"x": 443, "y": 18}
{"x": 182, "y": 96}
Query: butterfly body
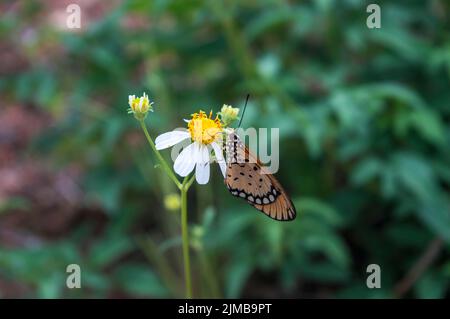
{"x": 248, "y": 179}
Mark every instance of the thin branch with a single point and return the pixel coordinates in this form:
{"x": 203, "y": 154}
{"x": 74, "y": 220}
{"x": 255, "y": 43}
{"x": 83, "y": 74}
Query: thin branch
{"x": 427, "y": 258}
{"x": 161, "y": 160}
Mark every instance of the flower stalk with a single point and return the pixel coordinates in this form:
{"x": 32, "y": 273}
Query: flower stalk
{"x": 183, "y": 187}
{"x": 161, "y": 160}
{"x": 185, "y": 237}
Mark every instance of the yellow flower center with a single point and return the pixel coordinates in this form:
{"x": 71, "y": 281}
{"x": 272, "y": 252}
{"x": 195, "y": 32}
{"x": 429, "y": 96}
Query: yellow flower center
{"x": 204, "y": 129}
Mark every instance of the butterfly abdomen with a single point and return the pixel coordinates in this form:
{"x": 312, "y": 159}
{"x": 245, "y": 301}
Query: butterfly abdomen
{"x": 232, "y": 150}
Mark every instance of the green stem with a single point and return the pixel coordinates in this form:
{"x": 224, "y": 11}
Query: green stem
{"x": 183, "y": 187}
{"x": 185, "y": 237}
{"x": 159, "y": 156}
{"x": 189, "y": 182}
{"x": 153, "y": 254}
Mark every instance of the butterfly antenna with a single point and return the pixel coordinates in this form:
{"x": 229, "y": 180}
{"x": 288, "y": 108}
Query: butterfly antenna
{"x": 243, "y": 112}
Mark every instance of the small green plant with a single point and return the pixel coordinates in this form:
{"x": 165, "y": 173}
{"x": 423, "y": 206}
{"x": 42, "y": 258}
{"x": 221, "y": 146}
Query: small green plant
{"x": 205, "y": 135}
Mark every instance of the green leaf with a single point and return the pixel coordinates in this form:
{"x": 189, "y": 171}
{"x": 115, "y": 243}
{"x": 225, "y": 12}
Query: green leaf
{"x": 366, "y": 170}
{"x": 139, "y": 280}
{"x": 236, "y": 276}
{"x": 415, "y": 174}
{"x": 331, "y": 246}
{"x": 311, "y": 207}
{"x": 431, "y": 286}
{"x": 436, "y": 215}
{"x": 51, "y": 286}
{"x": 323, "y": 272}
{"x": 109, "y": 250}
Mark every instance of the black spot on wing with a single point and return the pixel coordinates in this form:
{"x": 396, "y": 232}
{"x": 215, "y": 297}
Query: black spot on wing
{"x": 266, "y": 199}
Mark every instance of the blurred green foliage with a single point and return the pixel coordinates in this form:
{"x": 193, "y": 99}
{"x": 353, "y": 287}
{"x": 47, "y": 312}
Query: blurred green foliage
{"x": 364, "y": 126}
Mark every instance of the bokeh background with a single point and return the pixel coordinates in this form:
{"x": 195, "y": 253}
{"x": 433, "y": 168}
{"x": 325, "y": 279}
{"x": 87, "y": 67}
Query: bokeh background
{"x": 364, "y": 124}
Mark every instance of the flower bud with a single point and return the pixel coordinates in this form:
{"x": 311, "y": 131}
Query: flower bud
{"x": 172, "y": 202}
{"x": 139, "y": 106}
{"x": 228, "y": 114}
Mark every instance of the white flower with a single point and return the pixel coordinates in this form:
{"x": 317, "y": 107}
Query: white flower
{"x": 204, "y": 133}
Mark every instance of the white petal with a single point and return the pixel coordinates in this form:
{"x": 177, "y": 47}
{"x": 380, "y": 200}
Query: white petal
{"x": 202, "y": 173}
{"x": 170, "y": 139}
{"x": 185, "y": 162}
{"x": 202, "y": 168}
{"x": 219, "y": 157}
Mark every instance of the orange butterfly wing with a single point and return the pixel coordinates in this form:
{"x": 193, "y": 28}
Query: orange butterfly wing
{"x": 248, "y": 179}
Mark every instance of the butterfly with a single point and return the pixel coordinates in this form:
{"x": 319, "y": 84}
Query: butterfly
{"x": 248, "y": 179}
